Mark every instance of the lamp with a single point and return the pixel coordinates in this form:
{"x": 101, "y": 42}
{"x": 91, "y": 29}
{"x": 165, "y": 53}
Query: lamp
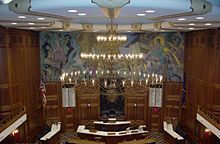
{"x": 207, "y": 132}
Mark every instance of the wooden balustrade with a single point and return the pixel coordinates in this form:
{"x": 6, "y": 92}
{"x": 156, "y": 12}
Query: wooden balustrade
{"x": 213, "y": 119}
{"x": 12, "y": 117}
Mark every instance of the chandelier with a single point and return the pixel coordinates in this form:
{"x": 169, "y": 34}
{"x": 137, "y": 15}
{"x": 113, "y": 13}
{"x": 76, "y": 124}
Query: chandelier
{"x": 90, "y": 77}
{"x": 111, "y": 39}
{"x": 111, "y": 56}
{"x": 106, "y": 64}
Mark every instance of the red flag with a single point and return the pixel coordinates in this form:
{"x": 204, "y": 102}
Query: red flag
{"x": 43, "y": 93}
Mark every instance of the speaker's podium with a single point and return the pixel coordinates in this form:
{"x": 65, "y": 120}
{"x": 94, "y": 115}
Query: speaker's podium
{"x": 112, "y": 125}
{"x": 111, "y": 131}
{"x": 112, "y": 120}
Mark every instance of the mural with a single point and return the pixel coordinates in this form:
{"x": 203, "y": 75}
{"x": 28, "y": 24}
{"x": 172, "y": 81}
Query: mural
{"x": 163, "y": 53}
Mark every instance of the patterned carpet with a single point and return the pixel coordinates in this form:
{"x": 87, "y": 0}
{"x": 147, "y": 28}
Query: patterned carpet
{"x": 67, "y": 136}
{"x": 157, "y": 136}
{"x": 70, "y": 134}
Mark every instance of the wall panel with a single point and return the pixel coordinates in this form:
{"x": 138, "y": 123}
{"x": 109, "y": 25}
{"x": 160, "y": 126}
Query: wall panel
{"x": 217, "y": 65}
{"x": 136, "y": 103}
{"x": 172, "y": 103}
{"x": 3, "y": 63}
{"x": 19, "y": 79}
{"x": 88, "y": 104}
{"x": 52, "y": 108}
{"x": 216, "y": 95}
{"x": 202, "y": 67}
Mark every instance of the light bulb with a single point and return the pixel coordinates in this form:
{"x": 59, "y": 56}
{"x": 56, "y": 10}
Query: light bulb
{"x": 105, "y": 83}
{"x": 161, "y": 77}
{"x": 123, "y": 82}
{"x": 140, "y": 82}
{"x": 146, "y": 81}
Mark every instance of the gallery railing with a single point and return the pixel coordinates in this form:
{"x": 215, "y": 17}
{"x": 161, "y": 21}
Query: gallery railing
{"x": 12, "y": 117}
{"x": 209, "y": 116}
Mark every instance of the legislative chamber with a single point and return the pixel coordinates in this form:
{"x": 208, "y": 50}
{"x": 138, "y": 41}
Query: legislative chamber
{"x": 111, "y": 132}
{"x": 110, "y": 72}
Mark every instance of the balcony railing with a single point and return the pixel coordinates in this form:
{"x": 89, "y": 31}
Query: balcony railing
{"x": 213, "y": 119}
{"x": 12, "y": 117}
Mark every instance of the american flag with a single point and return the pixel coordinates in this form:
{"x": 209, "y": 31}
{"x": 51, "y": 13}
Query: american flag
{"x": 43, "y": 93}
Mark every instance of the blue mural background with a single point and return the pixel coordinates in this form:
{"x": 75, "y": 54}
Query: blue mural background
{"x": 163, "y": 53}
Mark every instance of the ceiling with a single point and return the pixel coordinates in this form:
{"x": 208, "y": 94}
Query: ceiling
{"x": 94, "y": 15}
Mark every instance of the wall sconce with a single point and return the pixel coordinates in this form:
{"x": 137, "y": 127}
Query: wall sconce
{"x": 14, "y": 132}
{"x": 207, "y": 132}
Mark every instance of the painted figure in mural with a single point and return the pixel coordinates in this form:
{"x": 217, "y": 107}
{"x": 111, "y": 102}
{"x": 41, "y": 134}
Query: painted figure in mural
{"x": 72, "y": 53}
{"x": 163, "y": 54}
{"x": 174, "y": 60}
{"x": 67, "y": 43}
{"x": 161, "y": 60}
{"x": 45, "y": 54}
{"x": 58, "y": 53}
{"x": 155, "y": 55}
{"x": 46, "y": 46}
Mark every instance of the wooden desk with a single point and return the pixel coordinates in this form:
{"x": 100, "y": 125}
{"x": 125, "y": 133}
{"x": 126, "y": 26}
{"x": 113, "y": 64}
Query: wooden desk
{"x": 116, "y": 126}
{"x": 110, "y": 137}
{"x": 170, "y": 135}
{"x": 55, "y": 139}
{"x": 171, "y": 140}
{"x": 53, "y": 136}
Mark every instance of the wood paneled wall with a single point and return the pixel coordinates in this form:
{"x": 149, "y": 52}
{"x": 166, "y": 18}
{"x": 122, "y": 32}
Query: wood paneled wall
{"x": 137, "y": 109}
{"x": 202, "y": 69}
{"x": 136, "y": 103}
{"x": 172, "y": 103}
{"x": 19, "y": 78}
{"x": 88, "y": 102}
{"x": 52, "y": 109}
